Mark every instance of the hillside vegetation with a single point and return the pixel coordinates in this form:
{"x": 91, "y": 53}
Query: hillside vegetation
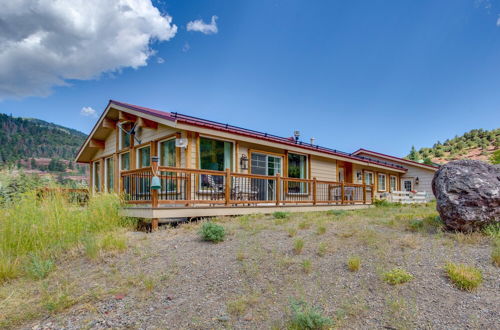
{"x": 476, "y": 144}
{"x": 24, "y": 139}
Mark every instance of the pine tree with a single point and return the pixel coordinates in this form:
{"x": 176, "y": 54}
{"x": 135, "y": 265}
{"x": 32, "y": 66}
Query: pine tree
{"x": 413, "y": 154}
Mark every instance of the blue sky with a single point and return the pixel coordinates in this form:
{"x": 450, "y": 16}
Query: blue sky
{"x": 382, "y": 75}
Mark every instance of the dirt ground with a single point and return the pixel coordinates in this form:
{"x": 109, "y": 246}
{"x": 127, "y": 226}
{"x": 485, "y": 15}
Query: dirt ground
{"x": 172, "y": 279}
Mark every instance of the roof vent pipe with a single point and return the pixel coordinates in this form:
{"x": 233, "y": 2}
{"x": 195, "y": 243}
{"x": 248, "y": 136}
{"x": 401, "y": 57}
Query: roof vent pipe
{"x": 312, "y": 140}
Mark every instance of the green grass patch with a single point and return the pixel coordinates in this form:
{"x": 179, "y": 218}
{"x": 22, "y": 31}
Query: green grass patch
{"x": 298, "y": 245}
{"x": 397, "y": 276}
{"x": 306, "y": 317}
{"x": 212, "y": 232}
{"x": 354, "y": 263}
{"x": 280, "y": 215}
{"x": 464, "y": 277}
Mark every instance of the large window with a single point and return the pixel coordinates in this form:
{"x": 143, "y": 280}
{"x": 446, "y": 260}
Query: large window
{"x": 167, "y": 153}
{"x": 125, "y": 161}
{"x": 97, "y": 176}
{"x": 167, "y": 158}
{"x": 144, "y": 157}
{"x": 124, "y": 137}
{"x": 110, "y": 173}
{"x": 297, "y": 168}
{"x": 381, "y": 182}
{"x": 368, "y": 178}
{"x": 214, "y": 155}
{"x": 394, "y": 185}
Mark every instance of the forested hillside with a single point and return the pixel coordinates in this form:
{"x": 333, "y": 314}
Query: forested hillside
{"x": 32, "y": 138}
{"x": 475, "y": 144}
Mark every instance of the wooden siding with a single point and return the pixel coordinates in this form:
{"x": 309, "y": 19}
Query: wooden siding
{"x": 323, "y": 169}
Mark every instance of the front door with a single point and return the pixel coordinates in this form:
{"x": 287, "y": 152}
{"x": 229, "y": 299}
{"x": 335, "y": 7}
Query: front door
{"x": 264, "y": 164}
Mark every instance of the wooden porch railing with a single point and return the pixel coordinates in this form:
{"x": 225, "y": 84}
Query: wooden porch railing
{"x": 192, "y": 187}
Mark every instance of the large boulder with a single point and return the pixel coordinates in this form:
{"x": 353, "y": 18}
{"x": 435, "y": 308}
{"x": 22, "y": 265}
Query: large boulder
{"x": 467, "y": 194}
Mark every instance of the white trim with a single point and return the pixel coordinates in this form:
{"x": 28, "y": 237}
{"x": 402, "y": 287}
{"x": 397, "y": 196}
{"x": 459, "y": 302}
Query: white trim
{"x": 106, "y": 173}
{"x": 209, "y": 137}
{"x": 137, "y": 155}
{"x": 120, "y": 160}
{"x": 94, "y": 175}
{"x": 372, "y": 181}
{"x": 395, "y": 181}
{"x": 378, "y": 182}
{"x": 395, "y": 159}
{"x": 159, "y": 149}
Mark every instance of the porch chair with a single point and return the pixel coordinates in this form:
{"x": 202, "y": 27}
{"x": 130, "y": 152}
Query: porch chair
{"x": 243, "y": 191}
{"x": 217, "y": 190}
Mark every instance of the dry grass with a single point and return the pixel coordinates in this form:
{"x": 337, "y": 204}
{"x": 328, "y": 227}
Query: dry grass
{"x": 464, "y": 277}
{"x": 354, "y": 263}
{"x": 251, "y": 278}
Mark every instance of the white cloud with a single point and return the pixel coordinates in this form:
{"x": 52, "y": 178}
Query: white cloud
{"x": 200, "y": 26}
{"x": 45, "y": 43}
{"x": 88, "y": 112}
{"x": 186, "y": 47}
{"x": 160, "y": 60}
{"x": 498, "y": 21}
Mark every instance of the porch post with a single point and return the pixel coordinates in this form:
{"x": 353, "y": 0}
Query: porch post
{"x": 154, "y": 194}
{"x": 342, "y": 192}
{"x": 315, "y": 196}
{"x": 228, "y": 186}
{"x": 278, "y": 189}
{"x": 364, "y": 193}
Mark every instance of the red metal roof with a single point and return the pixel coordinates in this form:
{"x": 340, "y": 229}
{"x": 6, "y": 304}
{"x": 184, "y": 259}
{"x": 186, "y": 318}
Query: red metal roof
{"x": 190, "y": 120}
{"x": 361, "y": 150}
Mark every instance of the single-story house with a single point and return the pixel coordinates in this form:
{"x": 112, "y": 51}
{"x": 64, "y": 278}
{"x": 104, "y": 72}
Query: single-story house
{"x": 202, "y": 166}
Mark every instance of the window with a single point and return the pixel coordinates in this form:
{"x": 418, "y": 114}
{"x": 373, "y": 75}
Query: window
{"x": 124, "y": 137}
{"x": 97, "y": 176}
{"x": 381, "y": 182}
{"x": 168, "y": 158}
{"x": 297, "y": 168}
{"x": 214, "y": 155}
{"x": 394, "y": 185}
{"x": 359, "y": 176}
{"x": 407, "y": 185}
{"x": 369, "y": 178}
{"x": 144, "y": 157}
{"x": 125, "y": 161}
{"x": 110, "y": 173}
{"x": 341, "y": 174}
{"x": 167, "y": 153}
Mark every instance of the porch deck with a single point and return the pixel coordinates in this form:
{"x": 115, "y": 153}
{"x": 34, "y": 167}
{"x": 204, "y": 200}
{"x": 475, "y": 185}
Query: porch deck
{"x": 193, "y": 193}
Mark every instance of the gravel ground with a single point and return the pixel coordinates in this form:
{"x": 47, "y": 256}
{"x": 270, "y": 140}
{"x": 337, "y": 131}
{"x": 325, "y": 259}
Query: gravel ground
{"x": 172, "y": 280}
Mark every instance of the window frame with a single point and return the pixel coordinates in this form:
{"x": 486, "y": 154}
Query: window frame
{"x": 372, "y": 181}
{"x": 106, "y": 174}
{"x": 120, "y": 138}
{"x": 304, "y": 186}
{"x": 395, "y": 183}
{"x": 204, "y": 189}
{"x": 138, "y": 159}
{"x": 121, "y": 161}
{"x": 158, "y": 148}
{"x": 94, "y": 181}
{"x": 378, "y": 181}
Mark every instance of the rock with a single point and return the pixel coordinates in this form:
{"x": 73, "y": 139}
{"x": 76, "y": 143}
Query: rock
{"x": 467, "y": 194}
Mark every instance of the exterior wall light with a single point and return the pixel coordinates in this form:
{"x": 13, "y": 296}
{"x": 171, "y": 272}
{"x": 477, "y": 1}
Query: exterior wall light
{"x": 244, "y": 162}
{"x": 417, "y": 180}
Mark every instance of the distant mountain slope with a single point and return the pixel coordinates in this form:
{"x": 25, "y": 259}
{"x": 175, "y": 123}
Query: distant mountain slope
{"x": 475, "y": 144}
{"x": 27, "y": 138}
